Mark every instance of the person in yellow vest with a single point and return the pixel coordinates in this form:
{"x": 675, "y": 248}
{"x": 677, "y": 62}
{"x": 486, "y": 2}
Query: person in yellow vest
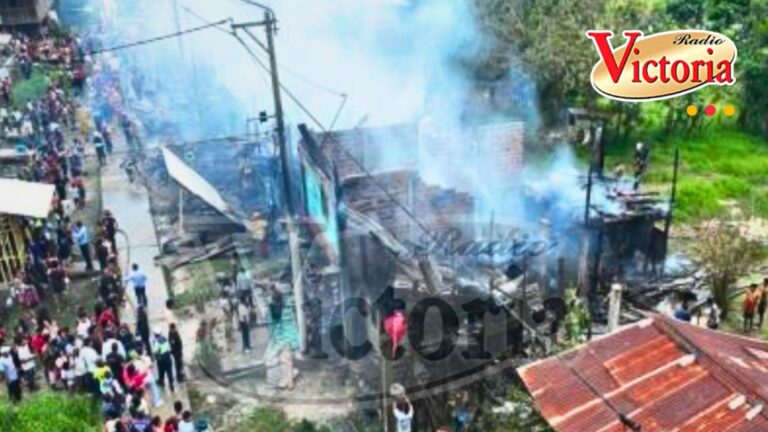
{"x": 83, "y": 119}
{"x": 161, "y": 349}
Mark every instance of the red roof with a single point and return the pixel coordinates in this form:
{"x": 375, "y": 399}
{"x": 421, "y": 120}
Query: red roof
{"x": 662, "y": 374}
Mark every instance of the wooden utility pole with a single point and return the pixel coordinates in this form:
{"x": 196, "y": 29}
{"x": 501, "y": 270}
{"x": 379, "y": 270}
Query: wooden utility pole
{"x": 270, "y": 24}
{"x": 293, "y": 233}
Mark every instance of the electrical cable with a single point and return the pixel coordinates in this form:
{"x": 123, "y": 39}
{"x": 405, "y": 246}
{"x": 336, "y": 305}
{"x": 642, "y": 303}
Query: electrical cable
{"x": 160, "y": 38}
{"x": 281, "y": 66}
{"x": 328, "y": 134}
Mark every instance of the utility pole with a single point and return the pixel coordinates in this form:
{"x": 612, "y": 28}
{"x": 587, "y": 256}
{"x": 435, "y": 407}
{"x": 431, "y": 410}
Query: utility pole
{"x": 270, "y": 24}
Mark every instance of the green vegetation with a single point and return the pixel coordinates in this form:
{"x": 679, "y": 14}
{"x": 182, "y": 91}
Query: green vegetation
{"x": 721, "y": 157}
{"x": 49, "y": 411}
{"x": 715, "y": 168}
{"x": 272, "y": 420}
{"x": 725, "y": 253}
{"x": 518, "y": 414}
{"x": 30, "y": 89}
{"x": 204, "y": 288}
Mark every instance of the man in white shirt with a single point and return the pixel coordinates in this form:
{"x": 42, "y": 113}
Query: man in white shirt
{"x": 106, "y": 348}
{"x": 11, "y": 375}
{"x": 186, "y": 424}
{"x": 90, "y": 357}
{"x": 83, "y": 326}
{"x": 28, "y": 366}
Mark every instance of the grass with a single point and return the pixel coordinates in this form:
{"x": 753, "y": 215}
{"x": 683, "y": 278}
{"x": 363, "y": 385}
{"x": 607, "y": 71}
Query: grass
{"x": 204, "y": 287}
{"x": 715, "y": 167}
{"x": 30, "y": 89}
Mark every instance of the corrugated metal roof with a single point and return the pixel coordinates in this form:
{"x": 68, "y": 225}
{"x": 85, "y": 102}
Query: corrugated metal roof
{"x": 22, "y": 198}
{"x": 662, "y": 374}
{"x": 194, "y": 183}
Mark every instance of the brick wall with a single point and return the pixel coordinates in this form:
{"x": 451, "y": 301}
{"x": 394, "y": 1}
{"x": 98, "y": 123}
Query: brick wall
{"x": 391, "y": 156}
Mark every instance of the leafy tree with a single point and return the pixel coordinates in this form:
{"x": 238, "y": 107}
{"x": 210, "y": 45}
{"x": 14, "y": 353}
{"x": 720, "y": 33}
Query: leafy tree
{"x": 726, "y": 253}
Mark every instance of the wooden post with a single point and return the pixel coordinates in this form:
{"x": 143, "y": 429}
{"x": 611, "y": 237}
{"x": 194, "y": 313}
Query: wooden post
{"x": 181, "y": 210}
{"x": 672, "y": 200}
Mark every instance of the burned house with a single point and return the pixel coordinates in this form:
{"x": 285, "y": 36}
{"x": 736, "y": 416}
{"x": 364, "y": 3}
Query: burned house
{"x": 389, "y": 203}
{"x": 384, "y": 208}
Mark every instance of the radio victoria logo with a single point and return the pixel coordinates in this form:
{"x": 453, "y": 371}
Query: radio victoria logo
{"x": 662, "y": 65}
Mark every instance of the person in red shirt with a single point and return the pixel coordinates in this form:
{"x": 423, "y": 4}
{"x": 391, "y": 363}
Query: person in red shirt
{"x": 171, "y": 425}
{"x": 38, "y": 342}
{"x": 749, "y": 305}
{"x": 132, "y": 378}
{"x": 108, "y": 317}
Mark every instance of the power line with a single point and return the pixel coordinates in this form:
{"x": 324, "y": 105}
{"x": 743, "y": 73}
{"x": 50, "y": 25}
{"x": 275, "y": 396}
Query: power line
{"x": 328, "y": 134}
{"x": 160, "y": 38}
{"x": 282, "y": 66}
{"x": 290, "y": 94}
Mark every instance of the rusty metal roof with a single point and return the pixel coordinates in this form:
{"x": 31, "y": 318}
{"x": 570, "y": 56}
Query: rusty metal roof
{"x": 662, "y": 374}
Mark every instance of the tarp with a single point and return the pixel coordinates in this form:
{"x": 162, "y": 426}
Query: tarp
{"x": 21, "y": 198}
{"x": 195, "y": 184}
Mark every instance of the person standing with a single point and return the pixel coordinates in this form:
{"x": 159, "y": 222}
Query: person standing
{"x": 683, "y": 313}
{"x": 177, "y": 347}
{"x": 713, "y": 314}
{"x": 186, "y": 424}
{"x": 244, "y": 283}
{"x": 749, "y": 305}
{"x": 762, "y": 302}
{"x": 110, "y": 229}
{"x": 161, "y": 349}
{"x": 82, "y": 239}
{"x": 11, "y": 375}
{"x": 142, "y": 327}
{"x": 641, "y": 162}
{"x": 139, "y": 280}
{"x": 28, "y": 365}
{"x": 101, "y": 149}
{"x": 102, "y": 251}
{"x": 403, "y": 412}
{"x": 244, "y": 322}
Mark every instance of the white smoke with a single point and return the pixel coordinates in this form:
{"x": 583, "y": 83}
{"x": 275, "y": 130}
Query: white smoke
{"x": 389, "y": 57}
{"x": 399, "y": 61}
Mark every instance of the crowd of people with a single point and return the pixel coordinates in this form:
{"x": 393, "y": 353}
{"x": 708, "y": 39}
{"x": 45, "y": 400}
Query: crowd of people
{"x": 127, "y": 367}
